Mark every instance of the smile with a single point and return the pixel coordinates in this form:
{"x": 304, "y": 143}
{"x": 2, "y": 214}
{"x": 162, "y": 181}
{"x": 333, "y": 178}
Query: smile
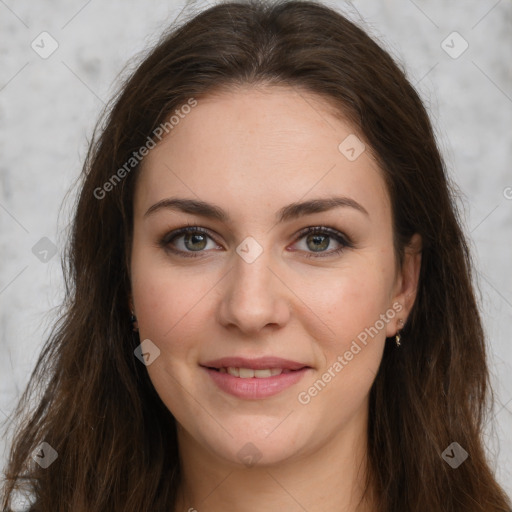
{"x": 250, "y": 384}
{"x": 248, "y": 373}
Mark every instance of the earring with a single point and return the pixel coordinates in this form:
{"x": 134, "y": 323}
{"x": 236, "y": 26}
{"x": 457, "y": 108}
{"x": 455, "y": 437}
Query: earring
{"x": 135, "y": 325}
{"x": 398, "y": 336}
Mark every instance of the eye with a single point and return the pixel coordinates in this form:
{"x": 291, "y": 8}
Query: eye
{"x": 186, "y": 241}
{"x": 194, "y": 239}
{"x": 319, "y": 238}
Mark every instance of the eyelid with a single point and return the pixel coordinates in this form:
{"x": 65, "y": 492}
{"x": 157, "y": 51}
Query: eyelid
{"x": 166, "y": 240}
{"x": 333, "y": 232}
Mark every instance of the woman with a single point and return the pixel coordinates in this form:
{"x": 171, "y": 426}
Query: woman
{"x": 269, "y": 301}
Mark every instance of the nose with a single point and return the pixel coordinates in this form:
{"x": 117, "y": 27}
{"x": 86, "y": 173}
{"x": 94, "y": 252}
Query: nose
{"x": 254, "y": 297}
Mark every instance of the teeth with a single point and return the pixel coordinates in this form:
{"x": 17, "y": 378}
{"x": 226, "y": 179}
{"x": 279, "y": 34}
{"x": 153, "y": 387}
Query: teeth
{"x": 248, "y": 373}
{"x": 245, "y": 373}
{"x": 234, "y": 371}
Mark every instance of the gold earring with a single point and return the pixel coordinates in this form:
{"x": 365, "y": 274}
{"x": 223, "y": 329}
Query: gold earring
{"x": 398, "y": 336}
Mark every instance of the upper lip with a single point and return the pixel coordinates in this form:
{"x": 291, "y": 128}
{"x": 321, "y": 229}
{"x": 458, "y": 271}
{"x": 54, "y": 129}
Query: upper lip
{"x": 259, "y": 363}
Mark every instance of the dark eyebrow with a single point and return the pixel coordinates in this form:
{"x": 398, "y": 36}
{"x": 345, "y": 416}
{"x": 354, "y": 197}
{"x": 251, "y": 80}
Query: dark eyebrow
{"x": 287, "y": 213}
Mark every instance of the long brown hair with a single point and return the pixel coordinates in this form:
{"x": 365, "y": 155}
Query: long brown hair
{"x": 94, "y": 402}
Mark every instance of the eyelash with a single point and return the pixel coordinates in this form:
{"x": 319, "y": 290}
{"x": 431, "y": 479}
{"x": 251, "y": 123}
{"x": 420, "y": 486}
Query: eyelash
{"x": 332, "y": 233}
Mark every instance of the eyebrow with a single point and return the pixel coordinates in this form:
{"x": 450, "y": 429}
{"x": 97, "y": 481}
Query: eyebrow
{"x": 287, "y": 213}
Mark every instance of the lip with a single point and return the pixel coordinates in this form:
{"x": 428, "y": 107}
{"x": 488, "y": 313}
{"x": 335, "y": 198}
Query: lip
{"x": 255, "y": 388}
{"x": 259, "y": 363}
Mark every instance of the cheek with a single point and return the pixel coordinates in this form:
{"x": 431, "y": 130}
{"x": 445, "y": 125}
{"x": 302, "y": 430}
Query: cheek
{"x": 164, "y": 294}
{"x": 351, "y": 300}
{"x": 352, "y": 305}
{"x": 170, "y": 312}
{"x": 166, "y": 300}
{"x": 352, "y": 352}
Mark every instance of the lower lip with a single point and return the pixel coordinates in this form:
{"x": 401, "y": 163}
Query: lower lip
{"x": 255, "y": 388}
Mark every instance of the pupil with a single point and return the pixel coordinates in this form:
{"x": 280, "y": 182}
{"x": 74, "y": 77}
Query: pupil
{"x": 195, "y": 237}
{"x": 318, "y": 240}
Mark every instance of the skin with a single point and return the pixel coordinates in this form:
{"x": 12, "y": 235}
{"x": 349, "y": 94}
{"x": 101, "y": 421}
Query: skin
{"x": 251, "y": 152}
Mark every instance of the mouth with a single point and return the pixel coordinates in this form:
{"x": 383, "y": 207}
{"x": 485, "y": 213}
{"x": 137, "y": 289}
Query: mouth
{"x": 249, "y": 373}
{"x": 253, "y": 364}
{"x": 253, "y": 379}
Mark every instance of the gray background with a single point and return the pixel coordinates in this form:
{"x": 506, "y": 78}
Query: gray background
{"x": 48, "y": 108}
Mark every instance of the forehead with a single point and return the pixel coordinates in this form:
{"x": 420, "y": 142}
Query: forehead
{"x": 261, "y": 148}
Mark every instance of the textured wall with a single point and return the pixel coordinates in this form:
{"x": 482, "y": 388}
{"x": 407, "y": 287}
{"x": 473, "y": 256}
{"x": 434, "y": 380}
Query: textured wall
{"x": 48, "y": 107}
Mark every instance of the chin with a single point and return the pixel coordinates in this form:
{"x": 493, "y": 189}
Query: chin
{"x": 263, "y": 447}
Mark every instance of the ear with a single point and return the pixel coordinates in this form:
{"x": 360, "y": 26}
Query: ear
{"x": 406, "y": 286}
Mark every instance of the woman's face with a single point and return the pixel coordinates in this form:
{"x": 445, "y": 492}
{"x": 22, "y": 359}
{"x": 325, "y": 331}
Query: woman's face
{"x": 254, "y": 169}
